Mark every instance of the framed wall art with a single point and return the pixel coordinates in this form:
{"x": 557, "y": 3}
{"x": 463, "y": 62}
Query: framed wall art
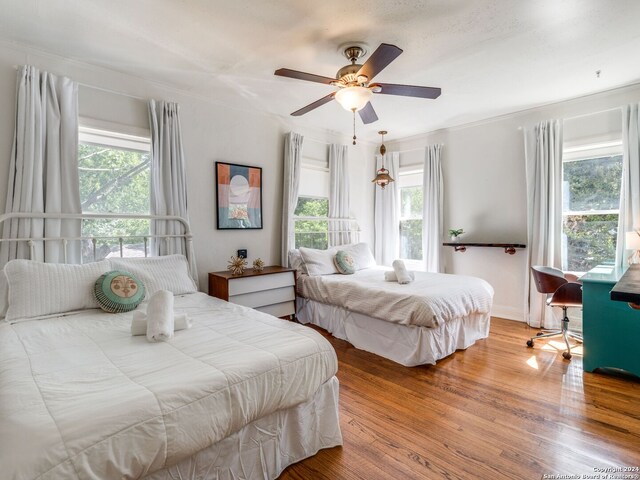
{"x": 239, "y": 194}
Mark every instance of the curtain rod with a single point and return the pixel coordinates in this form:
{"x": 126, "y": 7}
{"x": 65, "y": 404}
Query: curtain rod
{"x": 115, "y": 92}
{"x": 102, "y": 89}
{"x": 582, "y": 115}
{"x": 324, "y": 142}
{"x": 413, "y": 149}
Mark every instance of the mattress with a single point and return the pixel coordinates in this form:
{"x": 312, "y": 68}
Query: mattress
{"x": 407, "y": 345}
{"x": 81, "y": 398}
{"x": 429, "y": 301}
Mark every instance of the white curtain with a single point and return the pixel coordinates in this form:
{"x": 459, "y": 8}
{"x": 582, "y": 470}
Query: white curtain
{"x": 432, "y": 218}
{"x": 543, "y": 153}
{"x": 168, "y": 180}
{"x": 386, "y": 215}
{"x": 43, "y": 170}
{"x": 629, "y": 218}
{"x": 290, "y": 185}
{"x": 339, "y": 230}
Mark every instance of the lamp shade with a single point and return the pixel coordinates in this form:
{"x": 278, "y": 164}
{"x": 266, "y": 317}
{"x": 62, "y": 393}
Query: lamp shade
{"x": 383, "y": 178}
{"x": 353, "y": 98}
{"x": 632, "y": 241}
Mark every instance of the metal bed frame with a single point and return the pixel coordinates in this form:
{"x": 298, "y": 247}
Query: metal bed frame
{"x": 186, "y": 235}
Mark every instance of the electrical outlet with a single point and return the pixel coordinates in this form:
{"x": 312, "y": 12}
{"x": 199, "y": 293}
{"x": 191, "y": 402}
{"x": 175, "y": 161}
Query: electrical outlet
{"x": 242, "y": 253}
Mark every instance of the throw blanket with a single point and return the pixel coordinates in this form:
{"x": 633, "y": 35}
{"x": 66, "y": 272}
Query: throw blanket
{"x": 81, "y": 398}
{"x": 429, "y": 301}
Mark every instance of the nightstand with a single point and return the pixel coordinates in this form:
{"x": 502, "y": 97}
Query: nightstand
{"x": 272, "y": 290}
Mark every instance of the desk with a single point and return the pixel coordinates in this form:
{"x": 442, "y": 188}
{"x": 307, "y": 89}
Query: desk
{"x": 611, "y": 329}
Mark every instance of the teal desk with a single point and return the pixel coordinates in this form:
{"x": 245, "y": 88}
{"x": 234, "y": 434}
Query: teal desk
{"x": 611, "y": 329}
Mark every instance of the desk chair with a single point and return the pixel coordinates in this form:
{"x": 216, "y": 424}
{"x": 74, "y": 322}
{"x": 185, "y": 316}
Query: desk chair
{"x": 562, "y": 291}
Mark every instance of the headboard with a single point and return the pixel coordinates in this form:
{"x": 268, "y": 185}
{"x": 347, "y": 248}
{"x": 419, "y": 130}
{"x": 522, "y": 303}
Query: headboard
{"x": 119, "y": 241}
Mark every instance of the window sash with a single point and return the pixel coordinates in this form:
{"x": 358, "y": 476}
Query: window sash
{"x": 574, "y": 258}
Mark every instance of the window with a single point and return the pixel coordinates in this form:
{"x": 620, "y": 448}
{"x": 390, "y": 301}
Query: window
{"x": 411, "y": 200}
{"x": 311, "y": 230}
{"x": 114, "y": 175}
{"x": 592, "y": 177}
{"x": 311, "y": 226}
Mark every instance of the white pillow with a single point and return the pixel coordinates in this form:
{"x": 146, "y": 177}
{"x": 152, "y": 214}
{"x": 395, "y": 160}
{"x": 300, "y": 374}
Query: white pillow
{"x": 169, "y": 272}
{"x": 318, "y": 262}
{"x": 362, "y": 255}
{"x": 296, "y": 261}
{"x": 4, "y": 293}
{"x": 37, "y": 289}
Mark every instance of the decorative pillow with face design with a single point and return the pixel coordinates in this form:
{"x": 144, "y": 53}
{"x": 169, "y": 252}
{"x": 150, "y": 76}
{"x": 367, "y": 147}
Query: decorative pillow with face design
{"x": 118, "y": 291}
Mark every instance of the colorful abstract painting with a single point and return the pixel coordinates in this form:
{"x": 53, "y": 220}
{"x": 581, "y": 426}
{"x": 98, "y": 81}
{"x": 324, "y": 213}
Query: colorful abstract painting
{"x": 239, "y": 190}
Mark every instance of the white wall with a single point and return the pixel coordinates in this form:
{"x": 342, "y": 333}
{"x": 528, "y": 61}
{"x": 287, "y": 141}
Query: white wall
{"x": 485, "y": 190}
{"x": 483, "y": 165}
{"x": 211, "y": 132}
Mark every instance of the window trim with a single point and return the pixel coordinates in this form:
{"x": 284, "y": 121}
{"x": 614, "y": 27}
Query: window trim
{"x": 116, "y": 140}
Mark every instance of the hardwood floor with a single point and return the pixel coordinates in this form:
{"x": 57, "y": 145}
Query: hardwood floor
{"x": 497, "y": 410}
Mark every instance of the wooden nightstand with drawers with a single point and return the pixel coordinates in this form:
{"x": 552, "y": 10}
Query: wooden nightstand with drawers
{"x": 272, "y": 290}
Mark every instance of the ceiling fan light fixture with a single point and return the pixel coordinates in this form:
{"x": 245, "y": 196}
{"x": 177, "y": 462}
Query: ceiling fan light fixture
{"x": 353, "y": 98}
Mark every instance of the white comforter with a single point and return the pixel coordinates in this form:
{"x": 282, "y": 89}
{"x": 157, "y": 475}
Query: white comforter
{"x": 429, "y": 301}
{"x": 81, "y": 398}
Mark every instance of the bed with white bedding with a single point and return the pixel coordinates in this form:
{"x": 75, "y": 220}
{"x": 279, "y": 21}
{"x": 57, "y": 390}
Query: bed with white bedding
{"x": 240, "y": 394}
{"x": 82, "y": 398}
{"x": 412, "y": 324}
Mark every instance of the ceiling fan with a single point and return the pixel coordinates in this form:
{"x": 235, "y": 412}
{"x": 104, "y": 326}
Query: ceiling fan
{"x": 354, "y": 82}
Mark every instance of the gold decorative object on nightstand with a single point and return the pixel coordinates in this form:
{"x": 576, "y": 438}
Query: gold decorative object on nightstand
{"x": 236, "y": 265}
{"x": 258, "y": 265}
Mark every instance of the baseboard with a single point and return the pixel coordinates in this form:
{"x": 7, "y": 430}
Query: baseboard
{"x": 510, "y": 313}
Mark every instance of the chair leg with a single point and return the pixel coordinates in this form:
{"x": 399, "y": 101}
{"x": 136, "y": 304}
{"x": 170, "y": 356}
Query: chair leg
{"x": 565, "y": 333}
{"x": 576, "y": 336}
{"x": 550, "y": 334}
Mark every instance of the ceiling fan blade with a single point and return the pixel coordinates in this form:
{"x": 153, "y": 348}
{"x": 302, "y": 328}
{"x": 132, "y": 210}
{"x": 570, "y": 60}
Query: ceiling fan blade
{"x": 368, "y": 114}
{"x": 383, "y": 56}
{"x": 408, "y": 90}
{"x": 314, "y": 105}
{"x": 309, "y": 77}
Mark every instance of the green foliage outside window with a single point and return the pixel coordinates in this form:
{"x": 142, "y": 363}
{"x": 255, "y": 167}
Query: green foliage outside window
{"x": 591, "y": 240}
{"x": 114, "y": 180}
{"x": 591, "y": 188}
{"x": 593, "y": 184}
{"x": 312, "y": 233}
{"x": 411, "y": 200}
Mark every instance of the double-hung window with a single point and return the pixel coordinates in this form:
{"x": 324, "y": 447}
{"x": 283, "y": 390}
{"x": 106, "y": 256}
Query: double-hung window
{"x": 411, "y": 201}
{"x": 592, "y": 176}
{"x": 310, "y": 218}
{"x": 310, "y": 222}
{"x": 114, "y": 176}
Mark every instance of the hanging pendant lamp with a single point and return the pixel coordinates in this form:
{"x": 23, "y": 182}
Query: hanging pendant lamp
{"x": 382, "y": 175}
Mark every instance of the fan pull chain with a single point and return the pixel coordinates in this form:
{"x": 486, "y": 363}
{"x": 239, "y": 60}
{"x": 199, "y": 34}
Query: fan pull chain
{"x": 354, "y": 126}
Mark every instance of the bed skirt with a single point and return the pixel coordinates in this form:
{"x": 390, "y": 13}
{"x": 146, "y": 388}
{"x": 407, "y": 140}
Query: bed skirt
{"x": 268, "y": 445}
{"x": 407, "y": 345}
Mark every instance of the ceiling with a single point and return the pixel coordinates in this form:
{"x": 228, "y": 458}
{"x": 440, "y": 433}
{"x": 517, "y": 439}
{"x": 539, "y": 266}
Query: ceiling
{"x": 490, "y": 57}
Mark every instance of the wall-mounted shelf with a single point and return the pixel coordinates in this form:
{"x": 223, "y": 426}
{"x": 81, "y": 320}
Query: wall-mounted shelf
{"x": 509, "y": 248}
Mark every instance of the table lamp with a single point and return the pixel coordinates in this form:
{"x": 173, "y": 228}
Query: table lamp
{"x": 632, "y": 242}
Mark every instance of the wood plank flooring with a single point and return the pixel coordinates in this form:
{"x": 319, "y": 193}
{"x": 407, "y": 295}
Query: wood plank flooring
{"x": 498, "y": 410}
